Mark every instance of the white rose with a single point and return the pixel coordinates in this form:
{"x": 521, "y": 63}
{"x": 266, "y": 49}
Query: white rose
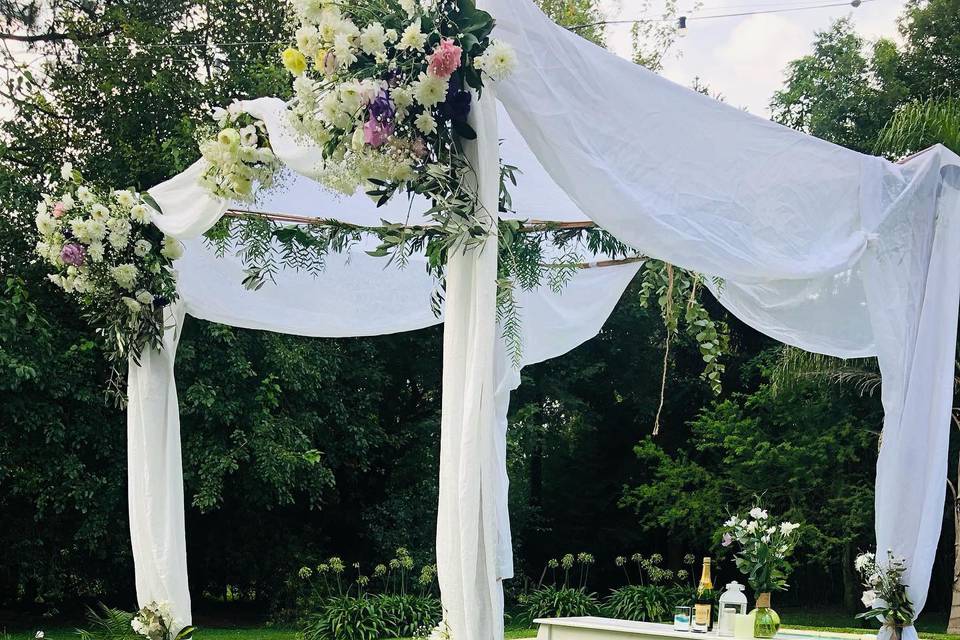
{"x": 172, "y": 249}
{"x": 66, "y": 171}
{"x": 868, "y": 598}
{"x": 248, "y": 136}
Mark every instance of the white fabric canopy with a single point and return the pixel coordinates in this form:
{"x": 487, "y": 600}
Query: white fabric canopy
{"x": 818, "y": 246}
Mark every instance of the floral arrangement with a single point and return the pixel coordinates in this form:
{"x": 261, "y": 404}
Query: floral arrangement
{"x": 239, "y": 158}
{"x": 886, "y": 594}
{"x": 154, "y": 621}
{"x": 765, "y": 546}
{"x": 105, "y": 253}
{"x": 383, "y": 87}
{"x": 439, "y": 632}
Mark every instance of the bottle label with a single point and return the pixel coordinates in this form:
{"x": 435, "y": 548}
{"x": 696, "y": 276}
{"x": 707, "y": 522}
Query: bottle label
{"x": 702, "y": 615}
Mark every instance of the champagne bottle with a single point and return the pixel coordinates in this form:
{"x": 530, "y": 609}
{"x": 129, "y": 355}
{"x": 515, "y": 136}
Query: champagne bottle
{"x": 703, "y": 605}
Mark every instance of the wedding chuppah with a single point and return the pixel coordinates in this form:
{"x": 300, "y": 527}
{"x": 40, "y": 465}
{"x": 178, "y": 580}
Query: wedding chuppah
{"x": 815, "y": 245}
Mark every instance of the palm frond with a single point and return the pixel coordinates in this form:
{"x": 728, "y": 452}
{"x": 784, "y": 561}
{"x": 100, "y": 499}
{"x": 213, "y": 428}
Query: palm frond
{"x": 796, "y": 366}
{"x": 920, "y": 124}
{"x": 107, "y": 624}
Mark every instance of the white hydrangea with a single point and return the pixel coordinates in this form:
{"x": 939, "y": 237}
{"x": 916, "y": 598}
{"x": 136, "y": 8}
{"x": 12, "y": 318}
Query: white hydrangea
{"x": 125, "y": 275}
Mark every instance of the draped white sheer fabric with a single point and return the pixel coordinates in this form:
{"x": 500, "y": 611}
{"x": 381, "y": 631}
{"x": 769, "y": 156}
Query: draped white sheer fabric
{"x": 817, "y": 246}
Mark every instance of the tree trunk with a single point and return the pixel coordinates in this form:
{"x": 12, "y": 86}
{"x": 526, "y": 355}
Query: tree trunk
{"x": 850, "y": 582}
{"x": 953, "y": 626}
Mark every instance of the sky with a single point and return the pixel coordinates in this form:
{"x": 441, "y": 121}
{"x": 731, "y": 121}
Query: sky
{"x": 745, "y": 58}
{"x": 742, "y": 58}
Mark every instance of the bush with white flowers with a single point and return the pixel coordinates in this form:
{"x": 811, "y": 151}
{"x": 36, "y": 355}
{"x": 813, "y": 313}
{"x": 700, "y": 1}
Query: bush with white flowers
{"x": 383, "y": 87}
{"x": 238, "y": 156}
{"x": 106, "y": 254}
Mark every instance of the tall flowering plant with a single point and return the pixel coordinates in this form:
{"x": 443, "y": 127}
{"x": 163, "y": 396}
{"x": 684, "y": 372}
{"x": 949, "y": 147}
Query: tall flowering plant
{"x": 765, "y": 546}
{"x": 104, "y": 252}
{"x": 885, "y": 595}
{"x": 383, "y": 87}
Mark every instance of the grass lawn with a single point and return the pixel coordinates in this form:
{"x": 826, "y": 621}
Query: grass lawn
{"x": 823, "y": 620}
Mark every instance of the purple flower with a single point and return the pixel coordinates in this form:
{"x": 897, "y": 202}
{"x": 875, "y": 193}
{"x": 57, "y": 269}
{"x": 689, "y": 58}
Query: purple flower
{"x": 382, "y": 108}
{"x": 73, "y": 254}
{"x": 376, "y": 133}
{"x": 457, "y": 105}
{"x": 727, "y": 539}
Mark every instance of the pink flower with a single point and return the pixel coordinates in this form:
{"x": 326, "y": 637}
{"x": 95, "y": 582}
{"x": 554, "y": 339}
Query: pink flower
{"x": 419, "y": 148}
{"x": 376, "y": 133}
{"x": 73, "y": 254}
{"x": 58, "y": 210}
{"x": 445, "y": 59}
{"x": 727, "y": 539}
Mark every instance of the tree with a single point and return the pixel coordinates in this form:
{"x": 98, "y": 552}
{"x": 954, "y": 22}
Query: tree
{"x": 835, "y": 93}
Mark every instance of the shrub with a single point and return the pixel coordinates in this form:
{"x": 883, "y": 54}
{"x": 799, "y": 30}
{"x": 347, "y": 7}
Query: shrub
{"x": 107, "y": 624}
{"x": 646, "y": 603}
{"x": 372, "y": 617}
{"x": 559, "y": 602}
{"x": 347, "y": 618}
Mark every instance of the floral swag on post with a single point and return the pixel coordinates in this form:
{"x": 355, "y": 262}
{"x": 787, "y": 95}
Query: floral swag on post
{"x": 105, "y": 253}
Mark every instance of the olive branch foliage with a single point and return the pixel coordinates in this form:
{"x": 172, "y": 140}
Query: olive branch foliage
{"x": 530, "y": 255}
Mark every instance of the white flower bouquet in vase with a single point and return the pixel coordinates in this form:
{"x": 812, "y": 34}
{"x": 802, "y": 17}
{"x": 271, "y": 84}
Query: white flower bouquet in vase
{"x": 885, "y": 595}
{"x": 765, "y": 546}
